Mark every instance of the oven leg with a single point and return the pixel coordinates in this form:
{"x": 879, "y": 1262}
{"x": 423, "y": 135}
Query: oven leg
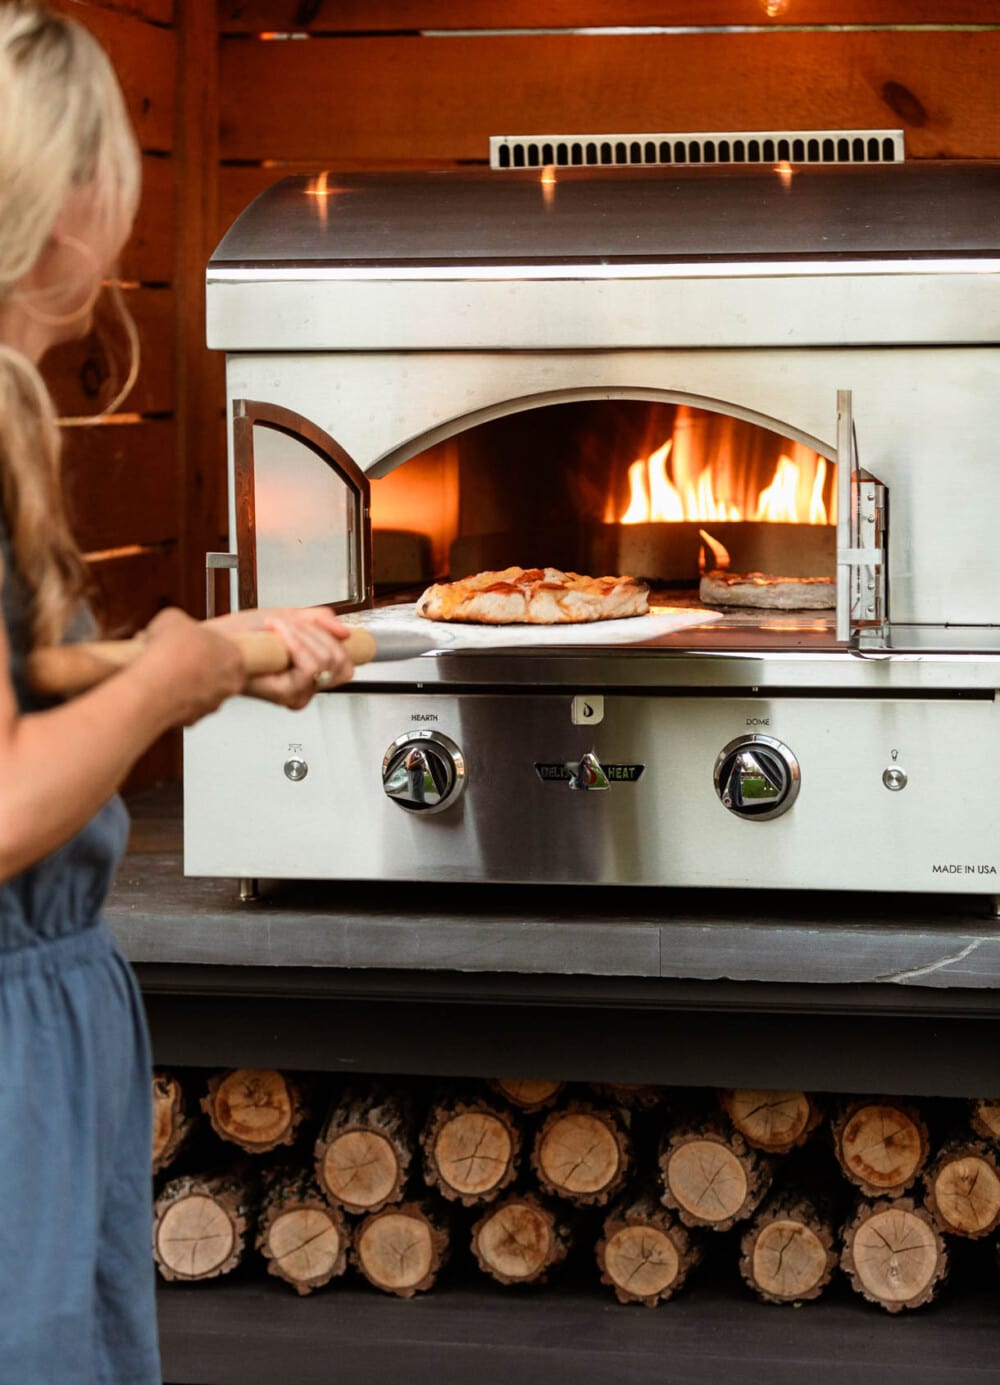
{"x": 249, "y": 891}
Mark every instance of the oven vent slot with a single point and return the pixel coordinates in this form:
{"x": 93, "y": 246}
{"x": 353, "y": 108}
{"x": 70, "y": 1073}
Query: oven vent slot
{"x": 662, "y": 150}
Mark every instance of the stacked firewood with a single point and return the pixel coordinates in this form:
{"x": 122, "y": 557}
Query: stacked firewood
{"x": 390, "y": 1178}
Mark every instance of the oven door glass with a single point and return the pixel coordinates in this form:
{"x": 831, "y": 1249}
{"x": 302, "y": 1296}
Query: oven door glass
{"x": 303, "y": 526}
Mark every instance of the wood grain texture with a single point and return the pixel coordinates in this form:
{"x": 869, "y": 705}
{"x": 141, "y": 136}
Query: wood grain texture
{"x": 643, "y": 1254}
{"x": 963, "y": 1188}
{"x": 121, "y": 483}
{"x": 202, "y": 1225}
{"x": 881, "y": 1145}
{"x": 519, "y": 1240}
{"x": 257, "y": 1109}
{"x": 304, "y": 1240}
{"x": 133, "y": 585}
{"x": 401, "y": 1249}
{"x": 156, "y": 11}
{"x": 200, "y": 386}
{"x": 787, "y": 1253}
{"x": 148, "y": 257}
{"x": 893, "y": 1254}
{"x": 345, "y": 16}
{"x": 85, "y": 375}
{"x": 471, "y": 1150}
{"x": 144, "y": 57}
{"x": 443, "y": 97}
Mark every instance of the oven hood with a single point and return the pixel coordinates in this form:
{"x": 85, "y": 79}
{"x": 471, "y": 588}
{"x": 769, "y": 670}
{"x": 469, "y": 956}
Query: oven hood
{"x": 701, "y": 257}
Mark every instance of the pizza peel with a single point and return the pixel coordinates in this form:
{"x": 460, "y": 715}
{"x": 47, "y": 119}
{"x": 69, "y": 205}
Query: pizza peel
{"x": 387, "y": 633}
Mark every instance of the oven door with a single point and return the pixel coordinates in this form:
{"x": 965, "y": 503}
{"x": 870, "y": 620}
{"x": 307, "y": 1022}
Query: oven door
{"x": 303, "y": 522}
{"x": 862, "y": 537}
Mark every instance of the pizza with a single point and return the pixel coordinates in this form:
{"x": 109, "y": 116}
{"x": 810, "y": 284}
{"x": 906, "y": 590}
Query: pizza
{"x": 771, "y": 593}
{"x": 534, "y": 596}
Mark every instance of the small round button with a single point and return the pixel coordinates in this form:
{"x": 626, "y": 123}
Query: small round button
{"x": 295, "y": 769}
{"x": 894, "y": 778}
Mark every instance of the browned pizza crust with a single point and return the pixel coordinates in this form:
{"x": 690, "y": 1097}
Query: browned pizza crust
{"x": 534, "y": 596}
{"x": 771, "y": 593}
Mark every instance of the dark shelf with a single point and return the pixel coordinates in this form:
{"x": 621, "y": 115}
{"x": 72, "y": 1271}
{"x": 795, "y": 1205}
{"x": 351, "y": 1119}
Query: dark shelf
{"x": 256, "y": 1333}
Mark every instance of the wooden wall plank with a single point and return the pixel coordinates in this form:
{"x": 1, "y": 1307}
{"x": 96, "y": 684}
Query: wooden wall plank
{"x": 148, "y": 257}
{"x": 145, "y": 59}
{"x": 156, "y": 11}
{"x": 441, "y": 97}
{"x": 130, "y": 590}
{"x": 133, "y": 587}
{"x": 79, "y": 372}
{"x": 345, "y": 16}
{"x": 201, "y": 390}
{"x": 122, "y": 483}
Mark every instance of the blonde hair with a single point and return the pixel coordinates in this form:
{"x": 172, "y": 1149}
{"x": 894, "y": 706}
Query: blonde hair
{"x": 63, "y": 126}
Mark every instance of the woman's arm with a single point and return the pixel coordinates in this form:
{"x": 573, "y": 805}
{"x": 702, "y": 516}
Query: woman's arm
{"x": 58, "y": 766}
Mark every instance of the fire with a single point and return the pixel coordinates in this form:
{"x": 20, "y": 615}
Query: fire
{"x": 720, "y": 553}
{"x": 678, "y": 481}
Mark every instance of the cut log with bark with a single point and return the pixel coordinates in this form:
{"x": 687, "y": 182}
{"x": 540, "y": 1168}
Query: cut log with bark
{"x": 985, "y": 1119}
{"x": 963, "y": 1188}
{"x": 583, "y": 1152}
{"x": 255, "y": 1108}
{"x": 519, "y": 1240}
{"x": 303, "y": 1239}
{"x": 471, "y": 1150}
{"x": 710, "y": 1175}
{"x": 772, "y": 1121}
{"x": 893, "y": 1254}
{"x": 365, "y": 1149}
{"x": 528, "y": 1093}
{"x": 644, "y": 1253}
{"x": 881, "y": 1145}
{"x": 202, "y": 1226}
{"x": 401, "y": 1249}
{"x": 789, "y": 1250}
{"x": 172, "y": 1121}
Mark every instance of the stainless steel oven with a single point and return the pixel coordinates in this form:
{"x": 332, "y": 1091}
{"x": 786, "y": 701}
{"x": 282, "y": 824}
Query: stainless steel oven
{"x": 432, "y": 373}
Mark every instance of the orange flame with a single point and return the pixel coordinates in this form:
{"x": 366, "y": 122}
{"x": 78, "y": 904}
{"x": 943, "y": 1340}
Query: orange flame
{"x": 679, "y": 482}
{"x": 720, "y": 553}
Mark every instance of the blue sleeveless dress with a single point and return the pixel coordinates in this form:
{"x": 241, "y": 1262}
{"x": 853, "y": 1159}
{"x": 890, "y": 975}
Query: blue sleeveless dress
{"x": 76, "y": 1273}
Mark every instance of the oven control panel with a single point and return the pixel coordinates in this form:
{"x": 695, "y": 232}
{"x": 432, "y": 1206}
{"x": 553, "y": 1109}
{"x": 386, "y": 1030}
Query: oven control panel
{"x": 423, "y": 771}
{"x": 757, "y": 777}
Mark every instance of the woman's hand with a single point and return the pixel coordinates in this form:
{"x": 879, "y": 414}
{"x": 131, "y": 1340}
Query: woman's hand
{"x": 313, "y": 637}
{"x": 191, "y": 668}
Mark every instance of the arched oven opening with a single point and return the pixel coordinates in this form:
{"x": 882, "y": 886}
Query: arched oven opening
{"x": 706, "y": 507}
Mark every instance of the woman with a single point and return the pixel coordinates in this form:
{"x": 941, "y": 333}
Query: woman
{"x": 76, "y": 1278}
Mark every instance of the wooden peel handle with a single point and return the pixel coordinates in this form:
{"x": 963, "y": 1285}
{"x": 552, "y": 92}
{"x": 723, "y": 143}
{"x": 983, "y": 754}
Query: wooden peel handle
{"x": 64, "y": 670}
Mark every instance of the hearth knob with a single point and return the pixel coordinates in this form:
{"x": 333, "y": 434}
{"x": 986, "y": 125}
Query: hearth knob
{"x": 423, "y": 771}
{"x": 757, "y": 777}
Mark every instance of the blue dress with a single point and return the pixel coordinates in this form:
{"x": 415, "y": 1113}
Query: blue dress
{"x": 76, "y": 1272}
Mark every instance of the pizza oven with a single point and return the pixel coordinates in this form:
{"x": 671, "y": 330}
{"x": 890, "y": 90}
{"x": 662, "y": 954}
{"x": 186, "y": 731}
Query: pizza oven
{"x": 779, "y": 377}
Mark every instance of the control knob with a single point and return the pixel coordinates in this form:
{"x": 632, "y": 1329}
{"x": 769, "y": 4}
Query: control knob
{"x": 423, "y": 771}
{"x": 757, "y": 777}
